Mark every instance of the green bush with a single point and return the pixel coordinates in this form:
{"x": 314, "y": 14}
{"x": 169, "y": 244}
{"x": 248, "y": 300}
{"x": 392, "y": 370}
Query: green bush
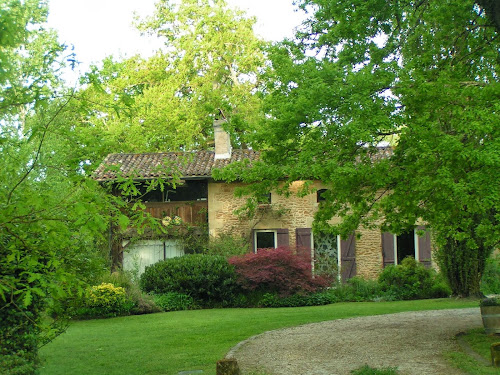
{"x": 227, "y": 245}
{"x": 173, "y": 301}
{"x": 356, "y": 289}
{"x": 143, "y": 303}
{"x": 490, "y": 283}
{"x": 411, "y": 280}
{"x": 209, "y": 280}
{"x": 105, "y": 300}
{"x": 20, "y": 337}
{"x": 295, "y": 300}
{"x": 17, "y": 364}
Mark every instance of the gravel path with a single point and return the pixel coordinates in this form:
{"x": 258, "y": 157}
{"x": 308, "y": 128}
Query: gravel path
{"x": 411, "y": 341}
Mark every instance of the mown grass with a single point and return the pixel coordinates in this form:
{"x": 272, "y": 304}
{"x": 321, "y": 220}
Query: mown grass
{"x": 367, "y": 370}
{"x": 480, "y": 342}
{"x": 167, "y": 343}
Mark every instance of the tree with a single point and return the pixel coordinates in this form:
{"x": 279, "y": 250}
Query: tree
{"x": 52, "y": 217}
{"x": 167, "y": 102}
{"x": 421, "y": 76}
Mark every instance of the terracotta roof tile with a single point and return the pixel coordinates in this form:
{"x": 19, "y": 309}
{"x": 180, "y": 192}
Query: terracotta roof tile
{"x": 163, "y": 164}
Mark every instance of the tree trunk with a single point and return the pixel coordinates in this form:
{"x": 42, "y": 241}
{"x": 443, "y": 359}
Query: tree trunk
{"x": 462, "y": 266}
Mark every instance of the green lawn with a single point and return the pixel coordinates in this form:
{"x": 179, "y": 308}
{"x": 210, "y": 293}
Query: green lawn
{"x": 480, "y": 343}
{"x": 167, "y": 343}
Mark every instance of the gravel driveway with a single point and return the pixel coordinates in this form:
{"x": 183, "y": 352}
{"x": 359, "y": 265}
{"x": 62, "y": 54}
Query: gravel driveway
{"x": 411, "y": 341}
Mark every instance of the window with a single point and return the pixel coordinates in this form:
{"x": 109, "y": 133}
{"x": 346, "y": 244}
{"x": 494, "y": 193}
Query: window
{"x": 270, "y": 238}
{"x": 405, "y": 246}
{"x": 408, "y": 244}
{"x": 265, "y": 239}
{"x": 320, "y": 195}
{"x": 331, "y": 254}
{"x": 264, "y": 199}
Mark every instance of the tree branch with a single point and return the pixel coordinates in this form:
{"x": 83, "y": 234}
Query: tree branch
{"x": 39, "y": 149}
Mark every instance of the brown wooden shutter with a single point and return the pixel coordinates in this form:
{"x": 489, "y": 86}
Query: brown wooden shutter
{"x": 303, "y": 241}
{"x": 283, "y": 237}
{"x": 303, "y": 237}
{"x": 424, "y": 247}
{"x": 388, "y": 248}
{"x": 348, "y": 257}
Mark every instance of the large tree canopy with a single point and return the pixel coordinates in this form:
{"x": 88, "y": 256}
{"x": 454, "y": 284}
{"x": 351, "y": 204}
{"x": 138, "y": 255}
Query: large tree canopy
{"x": 167, "y": 102}
{"x": 52, "y": 217}
{"x": 421, "y": 76}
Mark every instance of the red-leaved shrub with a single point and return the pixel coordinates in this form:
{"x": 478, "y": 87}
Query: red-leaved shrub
{"x": 277, "y": 271}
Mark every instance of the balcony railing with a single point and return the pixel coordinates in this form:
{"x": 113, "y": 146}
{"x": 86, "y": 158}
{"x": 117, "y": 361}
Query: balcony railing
{"x": 191, "y": 212}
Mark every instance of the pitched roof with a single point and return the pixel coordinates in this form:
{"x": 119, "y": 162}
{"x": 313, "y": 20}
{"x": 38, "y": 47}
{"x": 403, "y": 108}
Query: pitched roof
{"x": 164, "y": 164}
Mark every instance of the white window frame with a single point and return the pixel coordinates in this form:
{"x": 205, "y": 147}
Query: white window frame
{"x": 415, "y": 239}
{"x": 264, "y": 231}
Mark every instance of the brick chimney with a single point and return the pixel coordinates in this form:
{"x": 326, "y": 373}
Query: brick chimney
{"x": 222, "y": 139}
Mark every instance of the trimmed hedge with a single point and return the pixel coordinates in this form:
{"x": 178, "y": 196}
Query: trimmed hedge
{"x": 295, "y": 300}
{"x": 209, "y": 280}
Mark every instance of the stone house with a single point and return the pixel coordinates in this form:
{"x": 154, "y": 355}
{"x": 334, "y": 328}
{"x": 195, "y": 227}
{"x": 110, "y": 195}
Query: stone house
{"x": 200, "y": 200}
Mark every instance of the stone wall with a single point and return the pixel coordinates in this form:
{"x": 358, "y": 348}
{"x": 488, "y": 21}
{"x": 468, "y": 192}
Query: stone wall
{"x": 369, "y": 260}
{"x": 284, "y": 212}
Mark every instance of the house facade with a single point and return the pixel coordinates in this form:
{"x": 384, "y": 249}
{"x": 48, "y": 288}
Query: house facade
{"x": 199, "y": 200}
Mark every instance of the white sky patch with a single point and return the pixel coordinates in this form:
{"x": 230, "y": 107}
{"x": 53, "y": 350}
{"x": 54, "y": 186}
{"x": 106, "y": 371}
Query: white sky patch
{"x": 100, "y": 28}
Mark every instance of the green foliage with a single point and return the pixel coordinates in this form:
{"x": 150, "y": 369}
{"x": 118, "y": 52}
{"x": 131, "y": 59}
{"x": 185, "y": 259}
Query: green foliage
{"x": 227, "y": 245}
{"x": 295, "y": 300}
{"x": 173, "y": 301}
{"x": 490, "y": 283}
{"x": 168, "y": 101}
{"x": 105, "y": 300}
{"x": 19, "y": 338}
{"x": 356, "y": 289}
{"x": 462, "y": 265}
{"x": 423, "y": 79}
{"x": 142, "y": 302}
{"x": 17, "y": 364}
{"x": 51, "y": 216}
{"x": 480, "y": 343}
{"x": 194, "y": 239}
{"x": 367, "y": 370}
{"x": 411, "y": 280}
{"x": 209, "y": 280}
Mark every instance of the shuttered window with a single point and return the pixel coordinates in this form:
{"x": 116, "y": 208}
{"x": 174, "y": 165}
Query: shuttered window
{"x": 303, "y": 238}
{"x": 270, "y": 238}
{"x": 326, "y": 252}
{"x": 348, "y": 257}
{"x": 395, "y": 248}
{"x": 303, "y": 242}
{"x": 424, "y": 247}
